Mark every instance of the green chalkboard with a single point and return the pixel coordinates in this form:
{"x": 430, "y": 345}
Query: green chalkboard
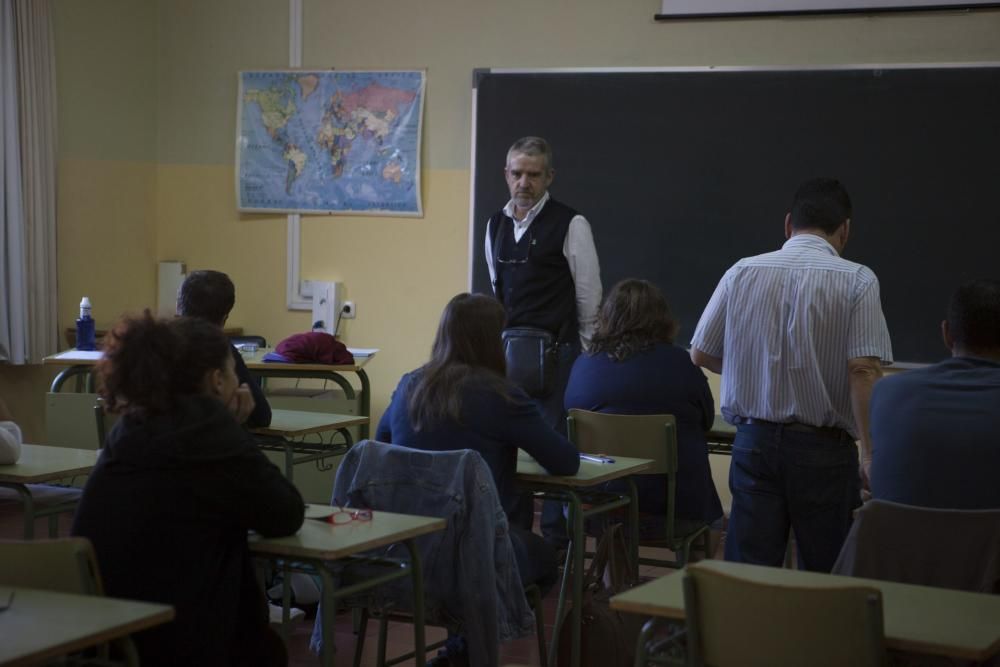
{"x": 681, "y": 173}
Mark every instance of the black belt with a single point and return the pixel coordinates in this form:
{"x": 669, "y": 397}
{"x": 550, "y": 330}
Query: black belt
{"x": 829, "y": 431}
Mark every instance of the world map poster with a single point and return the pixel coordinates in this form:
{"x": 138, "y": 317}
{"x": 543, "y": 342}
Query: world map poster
{"x": 330, "y": 141}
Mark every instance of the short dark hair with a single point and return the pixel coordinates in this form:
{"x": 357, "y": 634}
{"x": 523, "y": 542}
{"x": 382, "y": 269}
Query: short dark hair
{"x": 149, "y": 363}
{"x": 532, "y": 146}
{"x": 821, "y": 203}
{"x": 974, "y": 315}
{"x": 209, "y": 295}
{"x": 633, "y": 317}
{"x": 467, "y": 345}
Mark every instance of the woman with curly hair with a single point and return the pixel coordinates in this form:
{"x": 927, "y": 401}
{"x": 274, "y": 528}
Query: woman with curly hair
{"x": 633, "y": 368}
{"x": 177, "y": 486}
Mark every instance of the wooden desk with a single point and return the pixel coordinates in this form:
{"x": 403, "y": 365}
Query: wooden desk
{"x": 38, "y": 464}
{"x": 41, "y": 625}
{"x": 721, "y": 437}
{"x": 920, "y": 619}
{"x": 532, "y": 476}
{"x": 319, "y": 542}
{"x": 334, "y": 373}
{"x": 290, "y": 426}
{"x": 80, "y": 364}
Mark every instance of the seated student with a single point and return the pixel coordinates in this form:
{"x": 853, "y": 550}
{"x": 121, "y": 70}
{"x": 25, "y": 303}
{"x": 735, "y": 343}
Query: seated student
{"x": 936, "y": 430}
{"x": 634, "y": 368}
{"x": 461, "y": 399}
{"x": 175, "y": 491}
{"x": 10, "y": 437}
{"x": 210, "y": 295}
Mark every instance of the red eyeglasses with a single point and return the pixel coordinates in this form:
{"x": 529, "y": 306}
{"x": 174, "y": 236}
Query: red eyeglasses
{"x": 342, "y": 516}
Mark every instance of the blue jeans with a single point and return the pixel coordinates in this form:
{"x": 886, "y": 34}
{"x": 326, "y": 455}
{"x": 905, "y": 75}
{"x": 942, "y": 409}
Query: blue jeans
{"x": 783, "y": 478}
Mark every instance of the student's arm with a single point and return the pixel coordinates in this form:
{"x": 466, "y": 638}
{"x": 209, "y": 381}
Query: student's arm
{"x": 523, "y": 426}
{"x": 703, "y": 398}
{"x": 10, "y": 437}
{"x": 384, "y": 431}
{"x": 260, "y": 415}
{"x": 864, "y": 372}
{"x": 253, "y": 487}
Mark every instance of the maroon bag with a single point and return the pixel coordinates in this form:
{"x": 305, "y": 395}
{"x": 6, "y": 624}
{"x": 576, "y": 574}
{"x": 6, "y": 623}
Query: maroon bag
{"x": 315, "y": 347}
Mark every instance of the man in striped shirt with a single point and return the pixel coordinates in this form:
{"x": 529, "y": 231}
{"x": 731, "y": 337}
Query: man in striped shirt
{"x": 799, "y": 338}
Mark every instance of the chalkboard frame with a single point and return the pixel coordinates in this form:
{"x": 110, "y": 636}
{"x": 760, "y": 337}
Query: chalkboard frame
{"x": 487, "y": 181}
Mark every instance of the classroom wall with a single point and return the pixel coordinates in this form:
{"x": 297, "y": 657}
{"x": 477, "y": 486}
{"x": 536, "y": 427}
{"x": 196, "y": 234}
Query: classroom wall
{"x": 147, "y": 125}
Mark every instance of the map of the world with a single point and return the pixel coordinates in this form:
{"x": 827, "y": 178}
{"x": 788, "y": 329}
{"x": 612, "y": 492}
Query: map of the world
{"x": 330, "y": 142}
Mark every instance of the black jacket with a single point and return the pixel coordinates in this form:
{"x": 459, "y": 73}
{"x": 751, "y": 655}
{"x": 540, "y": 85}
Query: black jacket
{"x": 168, "y": 507}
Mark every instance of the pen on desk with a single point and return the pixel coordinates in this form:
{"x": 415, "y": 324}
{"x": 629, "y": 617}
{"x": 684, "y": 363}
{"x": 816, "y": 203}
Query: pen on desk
{"x": 597, "y": 458}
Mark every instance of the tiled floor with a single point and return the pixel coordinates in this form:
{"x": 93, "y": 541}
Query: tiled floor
{"x": 522, "y": 652}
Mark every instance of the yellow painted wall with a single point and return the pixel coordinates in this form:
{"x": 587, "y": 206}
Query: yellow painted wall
{"x": 146, "y": 155}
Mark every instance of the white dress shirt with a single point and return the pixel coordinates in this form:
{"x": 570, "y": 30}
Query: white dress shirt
{"x": 785, "y": 325}
{"x": 580, "y": 253}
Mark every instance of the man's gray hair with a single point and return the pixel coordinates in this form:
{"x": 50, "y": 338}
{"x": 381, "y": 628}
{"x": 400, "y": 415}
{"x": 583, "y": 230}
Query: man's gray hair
{"x": 532, "y": 146}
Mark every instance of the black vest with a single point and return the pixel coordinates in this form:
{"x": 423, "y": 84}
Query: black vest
{"x": 533, "y": 281}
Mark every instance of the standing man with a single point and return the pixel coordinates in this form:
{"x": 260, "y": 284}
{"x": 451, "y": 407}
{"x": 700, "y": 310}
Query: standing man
{"x": 799, "y": 338}
{"x": 544, "y": 270}
{"x": 211, "y": 295}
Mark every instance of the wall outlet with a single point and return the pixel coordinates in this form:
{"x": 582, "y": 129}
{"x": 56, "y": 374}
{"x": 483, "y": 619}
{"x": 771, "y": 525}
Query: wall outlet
{"x": 348, "y": 311}
{"x": 306, "y": 289}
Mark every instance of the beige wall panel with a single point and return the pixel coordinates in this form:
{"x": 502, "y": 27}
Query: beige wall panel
{"x": 106, "y": 238}
{"x": 202, "y": 45}
{"x": 23, "y": 389}
{"x": 106, "y": 77}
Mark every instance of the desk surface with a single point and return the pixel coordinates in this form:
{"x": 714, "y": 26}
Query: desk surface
{"x": 44, "y": 624}
{"x": 529, "y": 470}
{"x": 321, "y": 540}
{"x": 41, "y": 463}
{"x": 917, "y": 618}
{"x": 292, "y": 423}
{"x": 255, "y": 363}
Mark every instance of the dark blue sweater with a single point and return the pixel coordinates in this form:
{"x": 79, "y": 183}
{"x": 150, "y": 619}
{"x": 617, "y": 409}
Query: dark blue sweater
{"x": 936, "y": 435}
{"x": 491, "y": 424}
{"x": 660, "y": 380}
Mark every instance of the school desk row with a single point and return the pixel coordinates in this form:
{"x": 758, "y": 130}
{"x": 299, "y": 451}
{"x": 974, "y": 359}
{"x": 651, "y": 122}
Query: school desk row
{"x": 319, "y": 543}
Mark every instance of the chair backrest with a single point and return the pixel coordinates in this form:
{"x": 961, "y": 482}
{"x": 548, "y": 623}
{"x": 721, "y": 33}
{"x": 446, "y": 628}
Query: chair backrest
{"x": 105, "y": 420}
{"x": 735, "y": 621}
{"x": 921, "y": 545}
{"x": 66, "y": 565}
{"x": 638, "y": 436}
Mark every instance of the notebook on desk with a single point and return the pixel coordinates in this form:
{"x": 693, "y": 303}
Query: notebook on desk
{"x": 363, "y": 352}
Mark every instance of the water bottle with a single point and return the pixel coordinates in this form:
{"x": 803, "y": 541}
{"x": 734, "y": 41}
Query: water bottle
{"x": 85, "y": 339}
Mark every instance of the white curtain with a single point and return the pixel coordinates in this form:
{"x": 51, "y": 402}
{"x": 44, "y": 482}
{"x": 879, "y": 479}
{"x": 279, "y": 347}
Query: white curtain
{"x": 28, "y": 299}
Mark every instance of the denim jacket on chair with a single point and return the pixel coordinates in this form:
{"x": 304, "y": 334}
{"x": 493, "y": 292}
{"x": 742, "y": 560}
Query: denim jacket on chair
{"x": 471, "y": 579}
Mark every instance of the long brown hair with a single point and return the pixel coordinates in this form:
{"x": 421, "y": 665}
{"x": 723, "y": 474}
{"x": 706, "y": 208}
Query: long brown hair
{"x": 467, "y": 345}
{"x": 148, "y": 363}
{"x": 633, "y": 317}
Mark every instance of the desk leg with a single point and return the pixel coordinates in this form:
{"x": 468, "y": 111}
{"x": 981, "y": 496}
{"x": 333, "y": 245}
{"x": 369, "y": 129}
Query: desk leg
{"x": 633, "y": 526}
{"x": 28, "y": 503}
{"x": 289, "y": 459}
{"x": 329, "y": 606}
{"x": 574, "y": 569}
{"x": 417, "y": 574}
{"x": 366, "y": 403}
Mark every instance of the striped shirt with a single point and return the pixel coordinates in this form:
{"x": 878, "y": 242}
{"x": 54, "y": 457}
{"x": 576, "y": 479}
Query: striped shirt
{"x": 785, "y": 324}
